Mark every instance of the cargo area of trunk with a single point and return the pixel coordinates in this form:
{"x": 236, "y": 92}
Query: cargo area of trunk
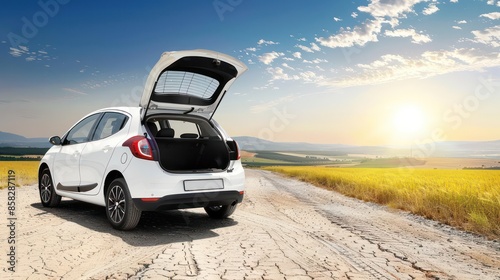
{"x": 189, "y": 144}
{"x": 178, "y": 154}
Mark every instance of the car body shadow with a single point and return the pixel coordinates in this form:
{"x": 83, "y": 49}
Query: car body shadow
{"x": 154, "y": 228}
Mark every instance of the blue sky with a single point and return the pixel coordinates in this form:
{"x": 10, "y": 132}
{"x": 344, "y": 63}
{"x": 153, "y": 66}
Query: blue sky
{"x": 352, "y": 72}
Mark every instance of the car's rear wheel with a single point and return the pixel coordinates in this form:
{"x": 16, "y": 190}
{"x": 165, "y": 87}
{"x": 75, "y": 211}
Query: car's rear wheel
{"x": 48, "y": 196}
{"x": 220, "y": 211}
{"x": 120, "y": 209}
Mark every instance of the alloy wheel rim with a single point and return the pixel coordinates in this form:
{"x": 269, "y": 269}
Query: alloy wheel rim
{"x": 116, "y": 204}
{"x": 45, "y": 188}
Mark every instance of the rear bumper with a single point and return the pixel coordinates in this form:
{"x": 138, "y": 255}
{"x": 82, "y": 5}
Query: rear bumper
{"x": 190, "y": 200}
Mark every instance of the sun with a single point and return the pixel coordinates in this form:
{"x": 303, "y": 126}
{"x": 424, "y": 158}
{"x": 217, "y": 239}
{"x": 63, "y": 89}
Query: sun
{"x": 409, "y": 120}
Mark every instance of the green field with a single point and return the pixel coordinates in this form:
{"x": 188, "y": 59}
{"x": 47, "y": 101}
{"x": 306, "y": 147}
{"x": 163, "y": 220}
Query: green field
{"x": 468, "y": 199}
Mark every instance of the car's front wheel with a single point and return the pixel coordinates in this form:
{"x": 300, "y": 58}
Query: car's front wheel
{"x": 120, "y": 209}
{"x": 220, "y": 211}
{"x": 48, "y": 195}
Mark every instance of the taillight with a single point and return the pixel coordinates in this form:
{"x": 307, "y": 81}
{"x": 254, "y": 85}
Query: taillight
{"x": 140, "y": 147}
{"x": 234, "y": 150}
{"x": 238, "y": 155}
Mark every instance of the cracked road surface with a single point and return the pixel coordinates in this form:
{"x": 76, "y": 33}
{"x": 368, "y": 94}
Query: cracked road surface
{"x": 285, "y": 229}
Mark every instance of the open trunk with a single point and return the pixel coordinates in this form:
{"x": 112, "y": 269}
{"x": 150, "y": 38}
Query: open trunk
{"x": 192, "y": 154}
{"x": 189, "y": 144}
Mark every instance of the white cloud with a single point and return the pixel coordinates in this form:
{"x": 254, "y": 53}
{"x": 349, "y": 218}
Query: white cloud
{"x": 30, "y": 55}
{"x": 453, "y": 1}
{"x": 489, "y": 36}
{"x": 382, "y": 8}
{"x": 429, "y": 10}
{"x": 287, "y": 66}
{"x": 251, "y": 49}
{"x": 262, "y": 41}
{"x": 267, "y": 58}
{"x": 354, "y": 15}
{"x": 288, "y": 58}
{"x": 297, "y": 55}
{"x": 310, "y": 76}
{"x": 319, "y": 68}
{"x": 494, "y": 15}
{"x": 360, "y": 35}
{"x": 417, "y": 38}
{"x": 337, "y": 19}
{"x": 17, "y": 52}
{"x": 314, "y": 47}
{"x": 315, "y": 61}
{"x": 462, "y": 22}
{"x": 304, "y": 48}
{"x": 277, "y": 73}
{"x": 431, "y": 63}
{"x": 456, "y": 27}
{"x": 492, "y": 2}
{"x": 302, "y": 39}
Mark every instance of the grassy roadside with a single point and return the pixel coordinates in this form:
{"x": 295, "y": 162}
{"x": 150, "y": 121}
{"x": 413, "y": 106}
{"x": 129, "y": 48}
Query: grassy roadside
{"x": 467, "y": 199}
{"x": 26, "y": 172}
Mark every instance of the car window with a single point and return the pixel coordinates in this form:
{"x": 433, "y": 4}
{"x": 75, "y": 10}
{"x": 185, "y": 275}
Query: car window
{"x": 110, "y": 124}
{"x": 80, "y": 133}
{"x": 181, "y": 82}
{"x": 182, "y": 128}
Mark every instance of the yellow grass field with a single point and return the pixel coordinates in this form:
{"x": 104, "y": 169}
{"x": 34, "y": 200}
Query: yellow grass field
{"x": 467, "y": 199}
{"x": 25, "y": 172}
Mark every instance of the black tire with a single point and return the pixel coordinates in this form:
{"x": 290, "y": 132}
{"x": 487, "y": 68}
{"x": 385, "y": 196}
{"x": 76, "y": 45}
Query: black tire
{"x": 220, "y": 211}
{"x": 48, "y": 195}
{"x": 120, "y": 209}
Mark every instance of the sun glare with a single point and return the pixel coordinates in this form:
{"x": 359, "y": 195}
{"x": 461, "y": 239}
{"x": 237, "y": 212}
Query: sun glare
{"x": 409, "y": 120}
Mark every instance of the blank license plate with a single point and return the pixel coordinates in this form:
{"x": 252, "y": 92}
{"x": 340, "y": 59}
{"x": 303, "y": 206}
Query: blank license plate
{"x": 198, "y": 185}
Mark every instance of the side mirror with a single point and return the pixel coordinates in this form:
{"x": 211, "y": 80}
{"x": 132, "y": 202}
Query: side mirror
{"x": 55, "y": 140}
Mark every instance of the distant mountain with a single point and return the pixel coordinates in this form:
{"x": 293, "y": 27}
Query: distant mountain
{"x": 14, "y": 140}
{"x": 477, "y": 149}
{"x": 469, "y": 148}
{"x": 482, "y": 149}
{"x": 257, "y": 144}
{"x": 11, "y": 137}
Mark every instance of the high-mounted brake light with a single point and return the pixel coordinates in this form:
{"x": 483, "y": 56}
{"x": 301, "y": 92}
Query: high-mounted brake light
{"x": 140, "y": 147}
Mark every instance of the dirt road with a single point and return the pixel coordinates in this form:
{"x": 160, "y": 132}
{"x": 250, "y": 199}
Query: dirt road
{"x": 285, "y": 229}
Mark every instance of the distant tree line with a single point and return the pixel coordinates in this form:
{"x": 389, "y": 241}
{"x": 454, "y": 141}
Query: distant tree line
{"x": 289, "y": 158}
{"x": 22, "y": 158}
{"x": 15, "y": 151}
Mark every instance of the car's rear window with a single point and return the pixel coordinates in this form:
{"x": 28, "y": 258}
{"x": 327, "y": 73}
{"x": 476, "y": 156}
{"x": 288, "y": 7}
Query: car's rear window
{"x": 186, "y": 83}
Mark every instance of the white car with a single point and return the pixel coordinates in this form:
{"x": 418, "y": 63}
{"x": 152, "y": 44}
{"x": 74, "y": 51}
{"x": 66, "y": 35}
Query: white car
{"x": 166, "y": 153}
